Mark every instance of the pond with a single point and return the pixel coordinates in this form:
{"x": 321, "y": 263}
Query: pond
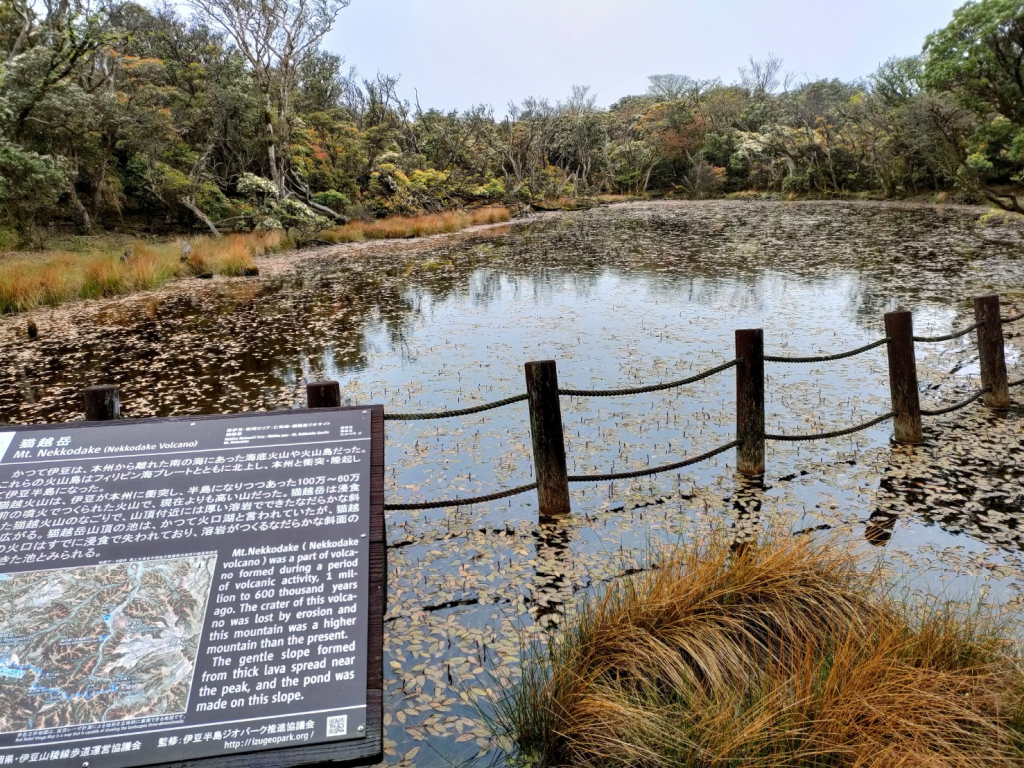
{"x": 619, "y": 296}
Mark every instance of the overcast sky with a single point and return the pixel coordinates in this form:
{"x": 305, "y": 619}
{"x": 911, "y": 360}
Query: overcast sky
{"x": 457, "y": 53}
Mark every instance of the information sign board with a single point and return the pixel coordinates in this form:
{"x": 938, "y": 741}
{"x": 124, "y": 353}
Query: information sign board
{"x": 193, "y": 589}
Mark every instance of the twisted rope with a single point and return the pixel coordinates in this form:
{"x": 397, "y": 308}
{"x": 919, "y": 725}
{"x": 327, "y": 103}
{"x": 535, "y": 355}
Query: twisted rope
{"x": 462, "y": 502}
{"x": 651, "y": 388}
{"x": 826, "y": 358}
{"x": 654, "y": 470}
{"x": 834, "y": 433}
{"x": 1014, "y": 319}
{"x": 950, "y": 336}
{"x": 957, "y": 406}
{"x": 460, "y": 412}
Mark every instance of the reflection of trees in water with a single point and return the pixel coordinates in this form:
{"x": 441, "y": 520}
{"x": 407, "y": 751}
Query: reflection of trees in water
{"x": 485, "y": 279}
{"x": 869, "y": 258}
{"x": 222, "y": 347}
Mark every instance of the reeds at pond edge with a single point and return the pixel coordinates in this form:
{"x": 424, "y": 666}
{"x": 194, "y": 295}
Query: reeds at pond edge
{"x": 783, "y": 653}
{"x": 54, "y": 277}
{"x": 415, "y": 226}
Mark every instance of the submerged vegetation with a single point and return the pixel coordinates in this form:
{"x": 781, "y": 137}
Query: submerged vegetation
{"x": 779, "y": 652}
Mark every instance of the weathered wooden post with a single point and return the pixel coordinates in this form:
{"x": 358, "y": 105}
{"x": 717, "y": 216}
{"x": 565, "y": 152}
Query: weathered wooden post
{"x": 990, "y": 347}
{"x": 750, "y": 402}
{"x": 102, "y": 402}
{"x": 323, "y": 394}
{"x": 548, "y": 440}
{"x": 899, "y": 328}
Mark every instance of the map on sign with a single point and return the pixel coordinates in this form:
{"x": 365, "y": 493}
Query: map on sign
{"x": 100, "y": 643}
{"x": 190, "y": 589}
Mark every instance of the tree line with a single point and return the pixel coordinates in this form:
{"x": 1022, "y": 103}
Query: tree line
{"x": 233, "y": 118}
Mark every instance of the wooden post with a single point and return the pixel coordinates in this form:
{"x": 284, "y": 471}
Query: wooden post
{"x": 750, "y": 402}
{"x": 102, "y": 402}
{"x": 323, "y": 394}
{"x": 899, "y": 327}
{"x": 990, "y": 347}
{"x": 548, "y": 440}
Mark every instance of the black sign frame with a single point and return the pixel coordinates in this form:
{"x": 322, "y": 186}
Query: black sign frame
{"x": 343, "y": 754}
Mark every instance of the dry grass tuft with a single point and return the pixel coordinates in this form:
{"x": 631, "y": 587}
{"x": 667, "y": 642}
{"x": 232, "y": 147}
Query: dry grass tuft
{"x": 230, "y": 255}
{"x": 415, "y": 226}
{"x": 784, "y": 654}
{"x": 493, "y": 214}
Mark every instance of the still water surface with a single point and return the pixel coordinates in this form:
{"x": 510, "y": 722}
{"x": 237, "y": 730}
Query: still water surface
{"x": 619, "y": 296}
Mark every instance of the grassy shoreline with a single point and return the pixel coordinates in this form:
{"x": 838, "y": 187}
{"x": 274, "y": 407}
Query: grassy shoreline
{"x": 115, "y": 268}
{"x": 92, "y": 267}
{"x": 401, "y": 227}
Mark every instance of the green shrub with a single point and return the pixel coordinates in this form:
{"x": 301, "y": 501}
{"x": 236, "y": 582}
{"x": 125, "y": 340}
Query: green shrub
{"x": 30, "y": 185}
{"x": 336, "y": 201}
{"x": 492, "y": 190}
{"x": 8, "y": 239}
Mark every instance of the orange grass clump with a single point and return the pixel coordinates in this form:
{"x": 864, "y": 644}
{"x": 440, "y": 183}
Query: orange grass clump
{"x": 781, "y": 655}
{"x": 57, "y": 276}
{"x": 415, "y": 226}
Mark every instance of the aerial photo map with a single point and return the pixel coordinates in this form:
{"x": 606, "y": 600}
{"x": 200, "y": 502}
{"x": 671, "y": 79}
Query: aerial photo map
{"x": 100, "y": 643}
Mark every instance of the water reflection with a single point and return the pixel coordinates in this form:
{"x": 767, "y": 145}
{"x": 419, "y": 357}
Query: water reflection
{"x": 551, "y": 540}
{"x": 748, "y": 499}
{"x": 234, "y": 346}
{"x": 962, "y": 481}
{"x": 878, "y": 531}
{"x": 622, "y": 296}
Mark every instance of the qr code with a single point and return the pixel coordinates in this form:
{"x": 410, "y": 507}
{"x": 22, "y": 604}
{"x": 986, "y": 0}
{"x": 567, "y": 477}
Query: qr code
{"x": 337, "y": 726}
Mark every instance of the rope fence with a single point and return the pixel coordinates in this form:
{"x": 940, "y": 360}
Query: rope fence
{"x": 833, "y": 433}
{"x": 653, "y": 470}
{"x": 462, "y": 502}
{"x": 827, "y": 358}
{"x": 651, "y": 388}
{"x": 547, "y": 434}
{"x": 949, "y": 336}
{"x": 452, "y": 414}
{"x": 956, "y": 406}
{"x": 965, "y": 331}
